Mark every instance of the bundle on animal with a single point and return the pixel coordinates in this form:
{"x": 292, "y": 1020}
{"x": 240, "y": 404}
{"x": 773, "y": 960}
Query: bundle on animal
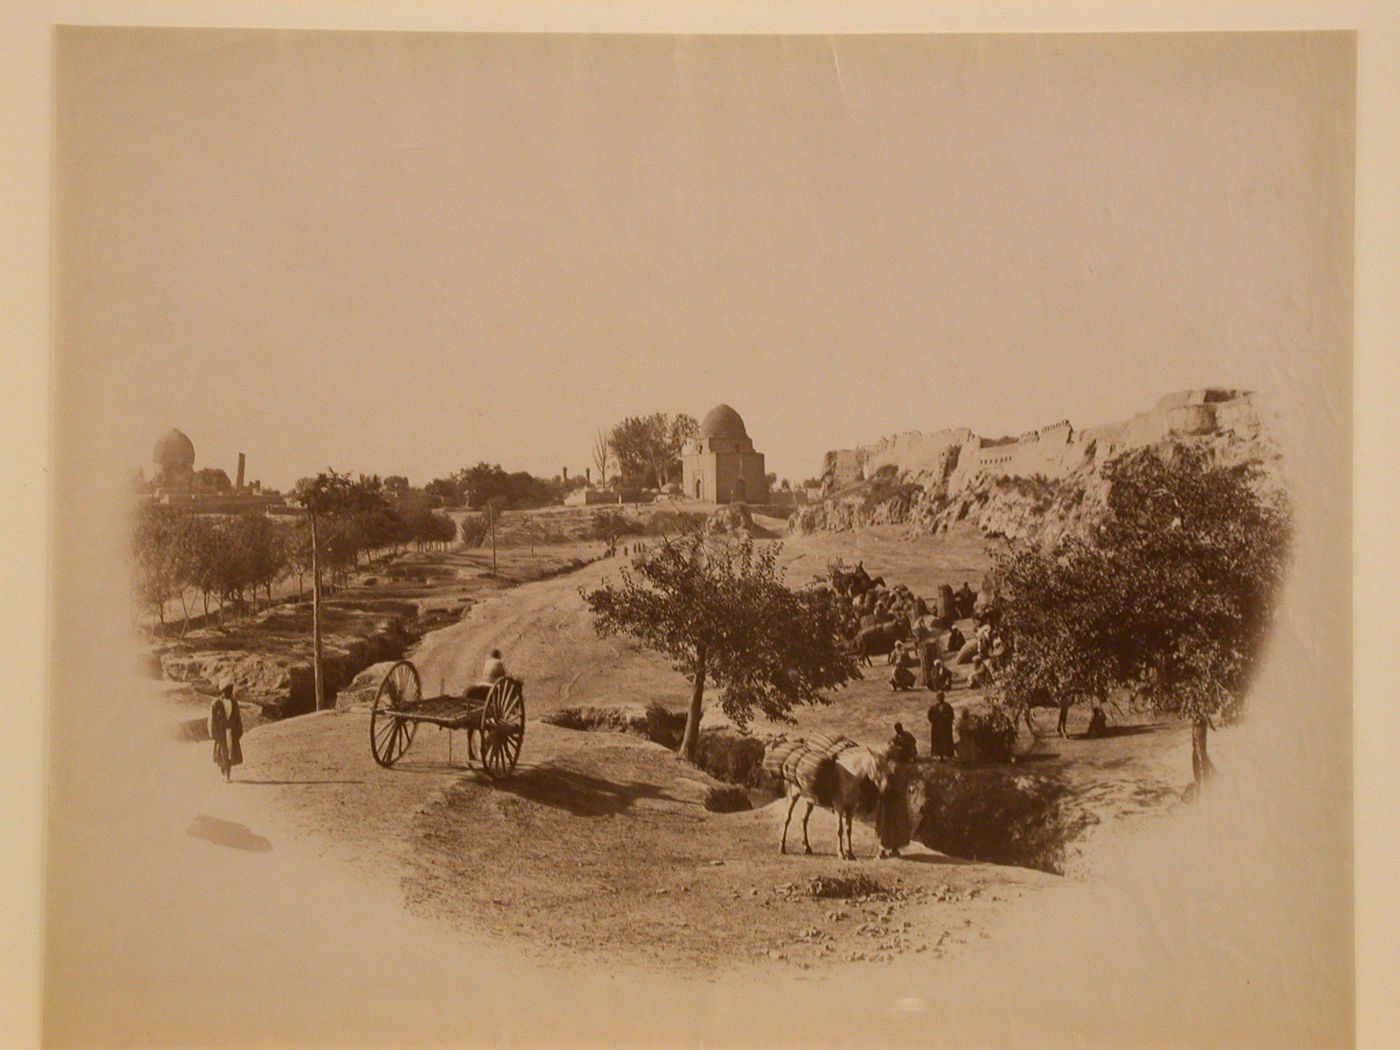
{"x": 835, "y": 773}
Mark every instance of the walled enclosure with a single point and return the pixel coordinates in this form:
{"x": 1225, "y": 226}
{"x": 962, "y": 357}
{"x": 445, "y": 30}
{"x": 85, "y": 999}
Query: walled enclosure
{"x": 961, "y": 457}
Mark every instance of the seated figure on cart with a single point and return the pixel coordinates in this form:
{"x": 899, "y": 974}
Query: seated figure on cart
{"x": 493, "y": 670}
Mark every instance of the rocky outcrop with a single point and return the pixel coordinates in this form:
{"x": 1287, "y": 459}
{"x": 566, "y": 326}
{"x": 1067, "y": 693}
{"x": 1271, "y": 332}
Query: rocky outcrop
{"x": 1036, "y": 487}
{"x": 267, "y": 658}
{"x": 732, "y": 519}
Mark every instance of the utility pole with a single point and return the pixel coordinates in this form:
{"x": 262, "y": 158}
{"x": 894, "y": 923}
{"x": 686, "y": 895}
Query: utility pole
{"x": 316, "y": 610}
{"x": 491, "y": 510}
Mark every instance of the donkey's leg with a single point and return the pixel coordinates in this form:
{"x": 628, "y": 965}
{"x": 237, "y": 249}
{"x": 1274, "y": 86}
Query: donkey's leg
{"x": 792, "y": 804}
{"x": 806, "y": 846}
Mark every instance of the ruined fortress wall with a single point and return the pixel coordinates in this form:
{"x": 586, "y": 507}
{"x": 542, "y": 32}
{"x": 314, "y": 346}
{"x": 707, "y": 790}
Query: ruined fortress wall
{"x": 1053, "y": 451}
{"x": 917, "y": 453}
{"x": 842, "y": 467}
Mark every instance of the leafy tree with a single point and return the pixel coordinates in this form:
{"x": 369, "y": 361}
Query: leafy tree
{"x": 648, "y": 448}
{"x": 1063, "y": 608}
{"x": 262, "y": 551}
{"x": 158, "y": 573}
{"x": 722, "y": 612}
{"x": 449, "y": 490}
{"x": 1171, "y": 595}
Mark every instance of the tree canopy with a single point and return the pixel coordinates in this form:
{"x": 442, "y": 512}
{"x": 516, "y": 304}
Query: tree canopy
{"x": 723, "y": 614}
{"x": 1171, "y": 595}
{"x": 648, "y": 448}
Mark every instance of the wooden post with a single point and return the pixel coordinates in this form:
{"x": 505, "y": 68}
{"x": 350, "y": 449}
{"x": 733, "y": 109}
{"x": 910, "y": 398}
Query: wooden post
{"x": 316, "y": 611}
{"x": 491, "y": 510}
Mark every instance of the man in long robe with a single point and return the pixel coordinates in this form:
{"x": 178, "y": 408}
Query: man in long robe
{"x": 226, "y": 730}
{"x": 940, "y": 721}
{"x": 892, "y": 821}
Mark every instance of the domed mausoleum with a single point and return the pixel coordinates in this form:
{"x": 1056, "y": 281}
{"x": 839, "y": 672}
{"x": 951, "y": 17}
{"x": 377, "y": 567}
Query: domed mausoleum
{"x": 721, "y": 465}
{"x": 174, "y": 460}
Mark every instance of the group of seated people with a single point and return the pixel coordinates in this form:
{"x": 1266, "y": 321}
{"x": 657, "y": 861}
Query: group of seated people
{"x": 922, "y": 653}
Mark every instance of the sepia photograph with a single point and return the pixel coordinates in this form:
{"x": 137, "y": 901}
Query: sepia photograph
{"x": 674, "y": 540}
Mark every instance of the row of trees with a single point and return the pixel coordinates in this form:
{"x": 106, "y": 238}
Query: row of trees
{"x": 180, "y": 556}
{"x": 489, "y": 484}
{"x": 221, "y": 559}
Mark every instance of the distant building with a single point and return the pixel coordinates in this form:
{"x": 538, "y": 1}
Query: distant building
{"x": 206, "y": 491}
{"x": 721, "y": 466}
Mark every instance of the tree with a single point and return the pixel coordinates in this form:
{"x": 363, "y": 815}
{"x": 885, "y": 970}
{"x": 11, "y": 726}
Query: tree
{"x": 330, "y": 496}
{"x": 156, "y": 558}
{"x": 1063, "y": 610}
{"x": 263, "y": 551}
{"x": 449, "y": 490}
{"x": 602, "y": 455}
{"x": 722, "y": 613}
{"x": 1171, "y": 595}
{"x": 648, "y": 448}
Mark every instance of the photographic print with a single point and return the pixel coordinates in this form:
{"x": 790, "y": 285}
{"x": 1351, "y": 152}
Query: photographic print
{"x": 735, "y": 540}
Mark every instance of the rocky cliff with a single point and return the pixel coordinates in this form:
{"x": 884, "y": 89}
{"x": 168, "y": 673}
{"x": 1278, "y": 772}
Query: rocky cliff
{"x": 1034, "y": 487}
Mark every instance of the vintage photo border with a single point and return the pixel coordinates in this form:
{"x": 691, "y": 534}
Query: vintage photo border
{"x": 25, "y": 38}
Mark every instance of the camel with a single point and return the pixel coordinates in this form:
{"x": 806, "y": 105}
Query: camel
{"x": 839, "y": 775}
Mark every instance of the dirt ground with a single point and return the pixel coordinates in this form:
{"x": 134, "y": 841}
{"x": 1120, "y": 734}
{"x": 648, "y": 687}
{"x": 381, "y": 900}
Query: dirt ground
{"x": 600, "y": 844}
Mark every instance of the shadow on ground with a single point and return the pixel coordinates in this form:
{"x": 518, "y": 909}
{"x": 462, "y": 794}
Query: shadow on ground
{"x": 580, "y": 794}
{"x": 227, "y": 833}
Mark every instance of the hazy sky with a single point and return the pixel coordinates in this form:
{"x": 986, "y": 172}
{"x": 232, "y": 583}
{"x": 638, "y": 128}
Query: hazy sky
{"x": 401, "y": 253}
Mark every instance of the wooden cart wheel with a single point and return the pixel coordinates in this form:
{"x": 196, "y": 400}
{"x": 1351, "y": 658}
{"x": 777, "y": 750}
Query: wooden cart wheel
{"x": 502, "y": 728}
{"x": 390, "y": 737}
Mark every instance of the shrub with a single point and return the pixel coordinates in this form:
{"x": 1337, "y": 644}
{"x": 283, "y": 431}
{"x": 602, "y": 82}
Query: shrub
{"x": 474, "y": 528}
{"x": 994, "y": 733}
{"x": 733, "y": 758}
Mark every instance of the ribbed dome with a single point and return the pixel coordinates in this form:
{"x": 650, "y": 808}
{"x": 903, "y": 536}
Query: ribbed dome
{"x": 174, "y": 450}
{"x": 723, "y": 422}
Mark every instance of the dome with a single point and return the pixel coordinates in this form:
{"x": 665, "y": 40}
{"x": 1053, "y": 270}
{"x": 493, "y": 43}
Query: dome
{"x": 723, "y": 422}
{"x": 174, "y": 450}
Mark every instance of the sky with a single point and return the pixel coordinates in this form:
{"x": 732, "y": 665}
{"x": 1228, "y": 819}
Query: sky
{"x": 405, "y": 253}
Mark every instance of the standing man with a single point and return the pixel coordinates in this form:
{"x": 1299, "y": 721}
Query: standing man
{"x": 892, "y": 822}
{"x": 226, "y": 730}
{"x": 940, "y": 723}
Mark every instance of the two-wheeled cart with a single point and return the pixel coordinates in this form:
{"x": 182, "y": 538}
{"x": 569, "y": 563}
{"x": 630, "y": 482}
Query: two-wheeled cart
{"x": 493, "y": 716}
